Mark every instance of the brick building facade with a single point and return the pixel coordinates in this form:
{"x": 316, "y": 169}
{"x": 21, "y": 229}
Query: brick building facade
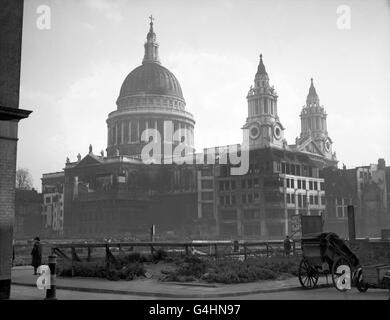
{"x": 11, "y": 21}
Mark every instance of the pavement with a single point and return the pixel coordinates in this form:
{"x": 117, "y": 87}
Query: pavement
{"x": 77, "y": 288}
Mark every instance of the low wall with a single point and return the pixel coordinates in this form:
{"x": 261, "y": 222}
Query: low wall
{"x": 371, "y": 252}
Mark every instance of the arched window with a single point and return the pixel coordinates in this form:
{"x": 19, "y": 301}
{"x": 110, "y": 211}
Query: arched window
{"x": 265, "y": 105}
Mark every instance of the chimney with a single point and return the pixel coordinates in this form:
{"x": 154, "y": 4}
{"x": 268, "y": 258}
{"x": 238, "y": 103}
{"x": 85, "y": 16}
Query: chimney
{"x": 381, "y": 164}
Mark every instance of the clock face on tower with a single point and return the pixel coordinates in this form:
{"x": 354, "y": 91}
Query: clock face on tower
{"x": 277, "y": 132}
{"x": 254, "y": 131}
{"x": 327, "y": 145}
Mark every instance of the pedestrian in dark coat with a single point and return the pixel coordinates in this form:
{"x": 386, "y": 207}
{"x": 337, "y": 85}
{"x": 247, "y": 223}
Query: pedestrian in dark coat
{"x": 36, "y": 255}
{"x": 287, "y": 246}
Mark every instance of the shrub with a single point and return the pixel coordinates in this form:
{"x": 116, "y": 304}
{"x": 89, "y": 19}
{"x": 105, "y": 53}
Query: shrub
{"x": 86, "y": 269}
{"x": 231, "y": 271}
{"x": 159, "y": 255}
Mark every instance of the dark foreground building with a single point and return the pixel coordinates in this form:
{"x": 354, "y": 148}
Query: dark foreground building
{"x": 11, "y": 21}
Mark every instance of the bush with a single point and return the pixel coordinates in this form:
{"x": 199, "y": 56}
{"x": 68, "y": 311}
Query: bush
{"x": 127, "y": 271}
{"x": 231, "y": 271}
{"x": 159, "y": 255}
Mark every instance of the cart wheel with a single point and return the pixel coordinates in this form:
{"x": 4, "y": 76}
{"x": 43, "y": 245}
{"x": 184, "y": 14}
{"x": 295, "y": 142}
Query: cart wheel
{"x": 337, "y": 276}
{"x": 307, "y": 275}
{"x": 360, "y": 284}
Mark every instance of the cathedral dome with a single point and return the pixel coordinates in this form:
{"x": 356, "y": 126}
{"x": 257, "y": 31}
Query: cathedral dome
{"x": 151, "y": 78}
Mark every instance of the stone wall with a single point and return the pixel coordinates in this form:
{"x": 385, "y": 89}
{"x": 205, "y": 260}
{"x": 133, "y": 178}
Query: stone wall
{"x": 371, "y": 252}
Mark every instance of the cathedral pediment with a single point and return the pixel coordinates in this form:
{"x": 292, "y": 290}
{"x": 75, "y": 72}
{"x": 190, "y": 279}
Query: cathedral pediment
{"x": 310, "y": 146}
{"x": 89, "y": 159}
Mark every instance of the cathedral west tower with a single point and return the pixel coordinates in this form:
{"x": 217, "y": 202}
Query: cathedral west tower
{"x": 314, "y": 136}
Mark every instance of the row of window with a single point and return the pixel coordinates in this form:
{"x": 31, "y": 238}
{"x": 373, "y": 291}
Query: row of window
{"x": 302, "y": 199}
{"x": 245, "y": 198}
{"x": 297, "y": 169}
{"x": 261, "y": 106}
{"x": 156, "y": 101}
{"x": 301, "y": 184}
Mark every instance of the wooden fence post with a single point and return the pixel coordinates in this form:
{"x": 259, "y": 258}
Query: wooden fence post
{"x": 72, "y": 262}
{"x": 107, "y": 258}
{"x": 89, "y": 254}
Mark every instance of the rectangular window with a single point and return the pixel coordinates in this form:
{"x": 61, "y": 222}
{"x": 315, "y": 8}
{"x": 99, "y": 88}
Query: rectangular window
{"x": 315, "y": 185}
{"x": 315, "y": 199}
{"x": 293, "y": 169}
{"x": 227, "y": 200}
{"x": 299, "y": 184}
{"x": 227, "y": 185}
{"x": 207, "y": 195}
{"x": 298, "y": 170}
{"x": 322, "y": 186}
{"x": 304, "y": 184}
{"x": 256, "y": 182}
{"x": 207, "y": 172}
{"x": 283, "y": 167}
{"x": 310, "y": 185}
{"x": 300, "y": 200}
{"x": 207, "y": 184}
{"x": 311, "y": 199}
{"x": 304, "y": 200}
{"x": 292, "y": 183}
{"x": 221, "y": 186}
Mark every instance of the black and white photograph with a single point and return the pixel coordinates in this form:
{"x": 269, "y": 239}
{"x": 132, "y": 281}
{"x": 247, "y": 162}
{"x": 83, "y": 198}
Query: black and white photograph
{"x": 215, "y": 151}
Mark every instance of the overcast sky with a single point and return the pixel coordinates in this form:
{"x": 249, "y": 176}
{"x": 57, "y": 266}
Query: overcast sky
{"x": 72, "y": 73}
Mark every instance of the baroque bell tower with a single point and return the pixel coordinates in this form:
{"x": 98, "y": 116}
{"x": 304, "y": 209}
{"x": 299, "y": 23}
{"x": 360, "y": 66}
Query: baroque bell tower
{"x": 265, "y": 129}
{"x": 314, "y": 136}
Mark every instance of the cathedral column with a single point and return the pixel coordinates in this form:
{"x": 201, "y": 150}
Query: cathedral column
{"x": 138, "y": 130}
{"x": 129, "y": 137}
{"x": 122, "y": 132}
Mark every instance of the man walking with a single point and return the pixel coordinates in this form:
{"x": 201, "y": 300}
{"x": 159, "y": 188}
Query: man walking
{"x": 36, "y": 255}
{"x": 287, "y": 246}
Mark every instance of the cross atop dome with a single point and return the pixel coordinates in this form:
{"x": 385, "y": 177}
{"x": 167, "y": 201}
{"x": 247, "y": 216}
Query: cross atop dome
{"x": 151, "y": 46}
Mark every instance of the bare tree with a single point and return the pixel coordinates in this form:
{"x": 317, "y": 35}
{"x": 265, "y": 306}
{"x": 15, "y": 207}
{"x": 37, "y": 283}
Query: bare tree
{"x": 24, "y": 179}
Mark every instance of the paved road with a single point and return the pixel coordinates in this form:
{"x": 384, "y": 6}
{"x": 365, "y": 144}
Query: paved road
{"x": 30, "y": 293}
